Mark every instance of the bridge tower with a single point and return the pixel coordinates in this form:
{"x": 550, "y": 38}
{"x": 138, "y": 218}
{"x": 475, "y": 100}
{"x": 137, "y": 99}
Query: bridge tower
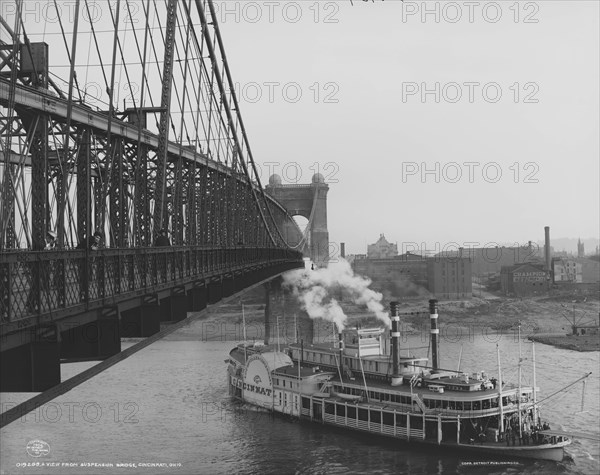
{"x": 309, "y": 201}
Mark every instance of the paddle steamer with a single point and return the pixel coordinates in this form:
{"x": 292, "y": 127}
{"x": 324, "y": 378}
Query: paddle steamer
{"x": 355, "y": 383}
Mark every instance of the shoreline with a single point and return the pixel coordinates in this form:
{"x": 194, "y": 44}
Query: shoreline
{"x": 544, "y": 319}
{"x": 569, "y": 342}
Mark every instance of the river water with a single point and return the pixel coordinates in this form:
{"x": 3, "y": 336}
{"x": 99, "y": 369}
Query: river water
{"x": 166, "y": 410}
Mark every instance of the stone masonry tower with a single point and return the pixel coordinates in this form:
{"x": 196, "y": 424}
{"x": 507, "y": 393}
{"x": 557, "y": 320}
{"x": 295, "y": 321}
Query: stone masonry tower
{"x": 300, "y": 200}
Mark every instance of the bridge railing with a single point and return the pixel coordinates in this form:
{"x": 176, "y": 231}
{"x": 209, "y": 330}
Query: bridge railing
{"x": 40, "y": 282}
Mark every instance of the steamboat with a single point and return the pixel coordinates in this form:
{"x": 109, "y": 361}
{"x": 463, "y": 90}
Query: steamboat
{"x": 356, "y": 384}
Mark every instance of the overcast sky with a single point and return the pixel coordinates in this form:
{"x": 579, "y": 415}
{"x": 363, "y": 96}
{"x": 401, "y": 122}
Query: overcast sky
{"x": 473, "y": 122}
{"x": 373, "y": 133}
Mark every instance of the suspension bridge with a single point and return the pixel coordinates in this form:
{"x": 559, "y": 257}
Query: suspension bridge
{"x": 131, "y": 135}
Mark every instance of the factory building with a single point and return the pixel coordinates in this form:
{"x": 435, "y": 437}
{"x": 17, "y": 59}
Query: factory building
{"x": 490, "y": 260}
{"x": 413, "y": 275}
{"x": 450, "y": 278}
{"x": 524, "y": 279}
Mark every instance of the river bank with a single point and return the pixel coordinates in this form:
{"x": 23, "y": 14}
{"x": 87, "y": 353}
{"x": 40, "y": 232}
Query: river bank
{"x": 570, "y": 342}
{"x": 546, "y": 318}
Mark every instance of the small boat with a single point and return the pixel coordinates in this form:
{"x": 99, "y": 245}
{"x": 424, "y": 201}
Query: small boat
{"x": 357, "y": 384}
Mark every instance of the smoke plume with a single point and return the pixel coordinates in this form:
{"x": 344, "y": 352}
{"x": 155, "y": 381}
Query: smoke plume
{"x": 315, "y": 290}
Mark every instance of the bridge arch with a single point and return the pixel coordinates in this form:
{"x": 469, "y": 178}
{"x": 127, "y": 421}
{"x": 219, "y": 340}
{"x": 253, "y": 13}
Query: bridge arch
{"x": 310, "y": 202}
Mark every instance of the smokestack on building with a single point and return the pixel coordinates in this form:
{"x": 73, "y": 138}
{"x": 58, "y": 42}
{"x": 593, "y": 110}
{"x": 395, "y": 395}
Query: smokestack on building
{"x": 435, "y": 333}
{"x": 547, "y": 253}
{"x": 395, "y": 312}
{"x": 547, "y": 247}
{"x": 343, "y": 250}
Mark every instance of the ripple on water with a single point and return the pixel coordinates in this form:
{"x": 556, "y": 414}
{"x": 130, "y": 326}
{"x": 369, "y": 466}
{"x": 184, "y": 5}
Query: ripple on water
{"x": 185, "y": 415}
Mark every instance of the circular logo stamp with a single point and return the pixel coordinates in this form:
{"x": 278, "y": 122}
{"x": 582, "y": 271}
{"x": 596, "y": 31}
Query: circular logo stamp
{"x": 37, "y": 448}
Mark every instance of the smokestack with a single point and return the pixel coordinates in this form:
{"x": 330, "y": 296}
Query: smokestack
{"x": 395, "y": 311}
{"x": 547, "y": 247}
{"x": 343, "y": 250}
{"x": 435, "y": 332}
{"x": 341, "y": 350}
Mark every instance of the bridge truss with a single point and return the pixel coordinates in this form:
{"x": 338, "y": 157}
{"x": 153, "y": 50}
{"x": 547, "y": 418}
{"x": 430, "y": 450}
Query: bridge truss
{"x": 173, "y": 154}
{"x": 134, "y": 127}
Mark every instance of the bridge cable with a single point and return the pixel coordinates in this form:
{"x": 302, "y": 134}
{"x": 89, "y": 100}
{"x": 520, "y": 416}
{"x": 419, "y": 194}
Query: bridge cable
{"x": 124, "y": 64}
{"x": 64, "y": 195}
{"x": 216, "y": 76}
{"x": 238, "y": 114}
{"x": 5, "y": 226}
{"x": 71, "y": 60}
{"x": 178, "y": 199}
{"x": 139, "y": 169}
{"x": 110, "y": 150}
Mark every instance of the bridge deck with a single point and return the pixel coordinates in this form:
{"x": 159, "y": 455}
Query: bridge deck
{"x": 45, "y": 286}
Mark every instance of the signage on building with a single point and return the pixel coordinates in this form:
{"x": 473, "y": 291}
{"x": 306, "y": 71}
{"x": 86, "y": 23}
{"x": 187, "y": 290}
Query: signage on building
{"x": 529, "y": 276}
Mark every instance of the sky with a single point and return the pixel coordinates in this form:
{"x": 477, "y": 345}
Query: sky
{"x": 508, "y": 144}
{"x": 438, "y": 124}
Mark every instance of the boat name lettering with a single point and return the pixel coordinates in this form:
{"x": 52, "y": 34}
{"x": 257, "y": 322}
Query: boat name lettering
{"x": 238, "y": 383}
